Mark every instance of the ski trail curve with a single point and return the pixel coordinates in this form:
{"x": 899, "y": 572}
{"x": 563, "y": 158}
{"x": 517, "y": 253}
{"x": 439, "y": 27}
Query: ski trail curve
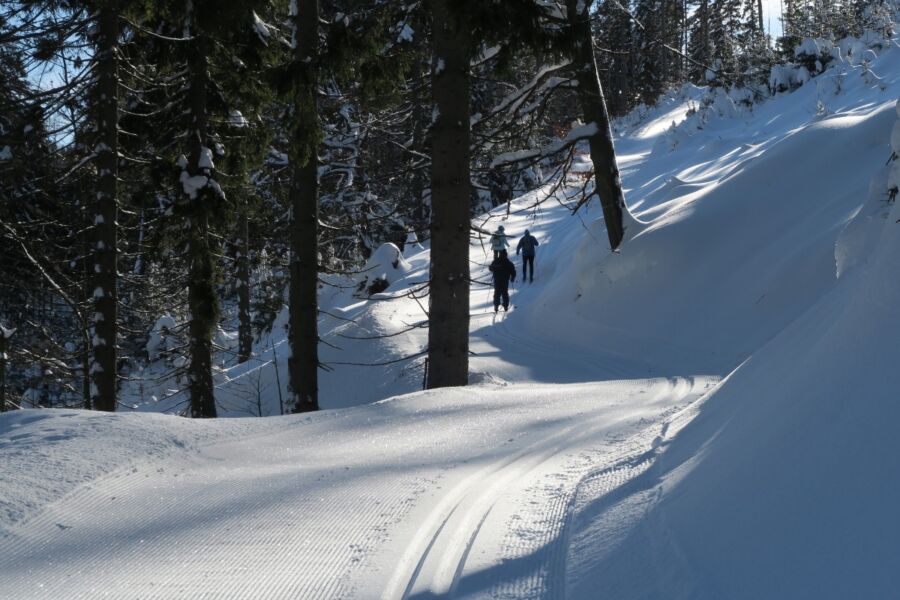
{"x": 525, "y": 502}
{"x": 457, "y": 493}
{"x": 466, "y": 504}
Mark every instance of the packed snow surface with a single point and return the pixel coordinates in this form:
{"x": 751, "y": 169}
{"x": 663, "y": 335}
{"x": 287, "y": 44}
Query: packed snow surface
{"x": 460, "y": 490}
{"x": 708, "y": 413}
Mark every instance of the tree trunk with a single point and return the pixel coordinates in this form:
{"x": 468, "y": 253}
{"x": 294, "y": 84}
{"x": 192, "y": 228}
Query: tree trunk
{"x": 103, "y": 370}
{"x": 448, "y": 317}
{"x": 607, "y": 181}
{"x": 2, "y": 370}
{"x": 303, "y": 364}
{"x": 202, "y": 300}
{"x": 759, "y": 8}
{"x": 245, "y": 326}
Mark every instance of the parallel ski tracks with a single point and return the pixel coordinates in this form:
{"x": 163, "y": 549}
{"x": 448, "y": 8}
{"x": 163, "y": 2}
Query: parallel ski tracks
{"x": 356, "y": 510}
{"x": 549, "y": 471}
{"x": 435, "y": 558}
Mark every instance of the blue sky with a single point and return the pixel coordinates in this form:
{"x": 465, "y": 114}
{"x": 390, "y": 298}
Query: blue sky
{"x": 772, "y": 17}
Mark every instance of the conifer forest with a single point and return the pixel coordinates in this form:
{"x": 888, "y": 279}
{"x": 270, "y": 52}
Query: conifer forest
{"x": 576, "y": 299}
{"x": 206, "y": 163}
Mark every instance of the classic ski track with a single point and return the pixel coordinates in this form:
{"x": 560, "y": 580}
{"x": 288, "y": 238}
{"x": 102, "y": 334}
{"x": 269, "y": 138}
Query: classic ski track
{"x": 426, "y": 541}
{"x": 555, "y": 495}
{"x": 442, "y": 545}
{"x": 628, "y": 462}
{"x": 451, "y": 566}
{"x": 250, "y": 498}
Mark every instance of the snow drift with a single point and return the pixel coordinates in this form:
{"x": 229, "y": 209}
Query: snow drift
{"x": 786, "y": 483}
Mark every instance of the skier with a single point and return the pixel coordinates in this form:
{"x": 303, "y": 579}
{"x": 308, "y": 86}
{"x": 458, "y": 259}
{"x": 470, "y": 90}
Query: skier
{"x": 499, "y": 242}
{"x": 504, "y": 272}
{"x": 526, "y": 246}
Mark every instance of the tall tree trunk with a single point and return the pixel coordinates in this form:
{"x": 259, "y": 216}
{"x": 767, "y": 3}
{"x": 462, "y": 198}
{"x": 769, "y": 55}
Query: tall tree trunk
{"x": 3, "y": 344}
{"x": 448, "y": 317}
{"x": 759, "y": 8}
{"x": 607, "y": 181}
{"x": 303, "y": 364}
{"x": 202, "y": 300}
{"x": 103, "y": 371}
{"x": 245, "y": 326}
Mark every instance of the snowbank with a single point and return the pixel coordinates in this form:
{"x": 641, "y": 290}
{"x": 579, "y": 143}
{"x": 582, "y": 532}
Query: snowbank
{"x": 786, "y": 483}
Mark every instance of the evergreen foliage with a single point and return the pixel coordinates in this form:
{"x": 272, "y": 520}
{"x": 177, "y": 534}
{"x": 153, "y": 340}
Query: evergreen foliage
{"x": 220, "y": 125}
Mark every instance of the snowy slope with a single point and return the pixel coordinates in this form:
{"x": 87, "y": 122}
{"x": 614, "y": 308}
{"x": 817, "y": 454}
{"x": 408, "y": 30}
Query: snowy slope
{"x": 785, "y": 485}
{"x": 790, "y": 469}
{"x": 600, "y": 455}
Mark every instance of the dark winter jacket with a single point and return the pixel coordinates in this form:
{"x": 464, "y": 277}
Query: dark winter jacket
{"x": 504, "y": 272}
{"x": 527, "y": 245}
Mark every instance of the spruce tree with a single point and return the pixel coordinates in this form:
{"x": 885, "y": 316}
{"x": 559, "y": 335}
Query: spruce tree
{"x": 303, "y": 364}
{"x": 607, "y": 179}
{"x": 614, "y": 35}
{"x": 448, "y": 316}
{"x": 700, "y": 47}
{"x": 104, "y": 371}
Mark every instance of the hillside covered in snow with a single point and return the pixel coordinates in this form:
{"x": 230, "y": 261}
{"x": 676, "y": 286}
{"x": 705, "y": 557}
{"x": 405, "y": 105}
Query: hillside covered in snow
{"x": 709, "y": 412}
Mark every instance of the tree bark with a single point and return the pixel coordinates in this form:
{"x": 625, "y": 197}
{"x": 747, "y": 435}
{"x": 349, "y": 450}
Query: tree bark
{"x": 3, "y": 345}
{"x": 448, "y": 318}
{"x": 607, "y": 181}
{"x": 303, "y": 364}
{"x": 245, "y": 326}
{"x": 103, "y": 369}
{"x": 202, "y": 300}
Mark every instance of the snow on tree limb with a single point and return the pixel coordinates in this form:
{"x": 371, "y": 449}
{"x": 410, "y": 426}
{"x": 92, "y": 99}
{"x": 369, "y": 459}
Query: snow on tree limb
{"x": 577, "y": 134}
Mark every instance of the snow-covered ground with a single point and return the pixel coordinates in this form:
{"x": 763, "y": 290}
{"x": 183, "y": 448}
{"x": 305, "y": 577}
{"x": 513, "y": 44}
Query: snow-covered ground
{"x": 465, "y": 490}
{"x": 708, "y": 413}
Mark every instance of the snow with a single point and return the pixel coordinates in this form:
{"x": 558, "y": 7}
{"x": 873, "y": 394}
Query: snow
{"x": 393, "y": 510}
{"x": 206, "y": 158}
{"x": 789, "y": 469}
{"x": 6, "y": 153}
{"x": 895, "y": 137}
{"x": 577, "y": 133}
{"x": 813, "y": 47}
{"x": 191, "y": 185}
{"x": 406, "y": 33}
{"x": 786, "y": 77}
{"x": 386, "y": 264}
{"x": 236, "y": 119}
{"x": 708, "y": 412}
{"x": 159, "y": 339}
{"x": 261, "y": 28}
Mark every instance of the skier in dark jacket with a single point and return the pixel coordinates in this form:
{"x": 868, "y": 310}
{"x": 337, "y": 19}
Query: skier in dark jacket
{"x": 504, "y": 272}
{"x": 527, "y": 246}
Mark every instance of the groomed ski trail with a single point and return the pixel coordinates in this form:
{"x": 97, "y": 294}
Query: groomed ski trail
{"x": 523, "y": 501}
{"x": 451, "y": 493}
